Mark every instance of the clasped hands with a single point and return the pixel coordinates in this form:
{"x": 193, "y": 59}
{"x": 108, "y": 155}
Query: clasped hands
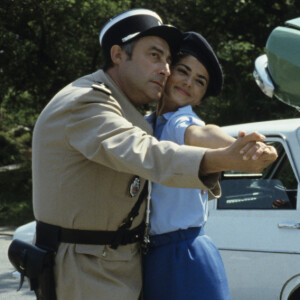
{"x": 247, "y": 153}
{"x": 251, "y": 154}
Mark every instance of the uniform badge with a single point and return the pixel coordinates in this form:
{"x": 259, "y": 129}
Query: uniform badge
{"x": 135, "y": 186}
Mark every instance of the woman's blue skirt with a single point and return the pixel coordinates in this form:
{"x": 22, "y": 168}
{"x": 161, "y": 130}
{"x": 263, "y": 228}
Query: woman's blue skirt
{"x": 184, "y": 264}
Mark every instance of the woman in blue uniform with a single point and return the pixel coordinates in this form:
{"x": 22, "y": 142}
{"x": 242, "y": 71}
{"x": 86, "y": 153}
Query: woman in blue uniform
{"x": 182, "y": 262}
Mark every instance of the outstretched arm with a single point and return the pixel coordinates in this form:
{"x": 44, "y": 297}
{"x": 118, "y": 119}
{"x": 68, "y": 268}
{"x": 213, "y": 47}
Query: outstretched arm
{"x": 208, "y": 136}
{"x": 213, "y": 137}
{"x": 232, "y": 157}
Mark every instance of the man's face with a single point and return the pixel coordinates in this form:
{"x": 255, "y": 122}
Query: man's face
{"x": 143, "y": 76}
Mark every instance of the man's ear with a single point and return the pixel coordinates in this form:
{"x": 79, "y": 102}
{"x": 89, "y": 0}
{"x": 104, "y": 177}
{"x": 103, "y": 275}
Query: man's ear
{"x": 116, "y": 54}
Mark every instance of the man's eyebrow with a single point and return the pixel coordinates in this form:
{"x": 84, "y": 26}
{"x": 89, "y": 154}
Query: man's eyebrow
{"x": 157, "y": 49}
{"x": 189, "y": 69}
{"x": 162, "y": 52}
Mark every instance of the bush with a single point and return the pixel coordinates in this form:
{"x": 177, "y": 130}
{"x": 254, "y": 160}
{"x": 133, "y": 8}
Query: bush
{"x": 15, "y": 180}
{"x": 9, "y": 153}
{"x": 16, "y": 196}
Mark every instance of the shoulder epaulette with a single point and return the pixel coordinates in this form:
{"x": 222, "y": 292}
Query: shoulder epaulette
{"x": 102, "y": 88}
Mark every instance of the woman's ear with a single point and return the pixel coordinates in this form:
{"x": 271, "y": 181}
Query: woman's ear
{"x": 116, "y": 54}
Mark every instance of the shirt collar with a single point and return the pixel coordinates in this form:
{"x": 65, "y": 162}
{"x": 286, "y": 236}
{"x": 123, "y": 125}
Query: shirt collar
{"x": 167, "y": 116}
{"x": 179, "y": 111}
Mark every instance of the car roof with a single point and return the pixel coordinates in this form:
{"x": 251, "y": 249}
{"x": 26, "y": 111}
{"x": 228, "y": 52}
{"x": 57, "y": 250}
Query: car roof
{"x": 284, "y": 126}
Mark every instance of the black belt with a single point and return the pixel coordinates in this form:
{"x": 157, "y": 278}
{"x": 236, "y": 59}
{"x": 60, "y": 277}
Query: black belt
{"x": 76, "y": 236}
{"x": 49, "y": 236}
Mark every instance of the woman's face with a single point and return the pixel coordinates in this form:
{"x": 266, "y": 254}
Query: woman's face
{"x": 187, "y": 83}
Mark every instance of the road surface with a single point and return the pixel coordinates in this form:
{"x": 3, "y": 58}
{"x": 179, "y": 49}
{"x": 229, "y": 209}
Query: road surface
{"x": 8, "y": 283}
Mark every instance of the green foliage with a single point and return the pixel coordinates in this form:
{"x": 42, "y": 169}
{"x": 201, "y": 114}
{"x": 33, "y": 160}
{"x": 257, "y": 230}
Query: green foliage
{"x": 50, "y": 43}
{"x": 16, "y": 195}
{"x": 9, "y": 150}
{"x": 15, "y": 176}
{"x": 46, "y": 44}
{"x": 16, "y": 214}
{"x": 15, "y": 146}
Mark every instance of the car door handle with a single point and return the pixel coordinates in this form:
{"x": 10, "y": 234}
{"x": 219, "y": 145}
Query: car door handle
{"x": 289, "y": 225}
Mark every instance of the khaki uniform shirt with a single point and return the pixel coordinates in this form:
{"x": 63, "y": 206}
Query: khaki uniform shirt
{"x": 88, "y": 145}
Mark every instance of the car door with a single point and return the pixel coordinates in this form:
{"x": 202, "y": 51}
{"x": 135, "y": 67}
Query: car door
{"x": 255, "y": 224}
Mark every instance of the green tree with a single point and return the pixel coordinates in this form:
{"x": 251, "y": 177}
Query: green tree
{"x": 50, "y": 43}
{"x": 45, "y": 44}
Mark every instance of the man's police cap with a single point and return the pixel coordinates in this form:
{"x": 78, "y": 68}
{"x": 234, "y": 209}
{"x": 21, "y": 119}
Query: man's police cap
{"x": 134, "y": 24}
{"x": 196, "y": 45}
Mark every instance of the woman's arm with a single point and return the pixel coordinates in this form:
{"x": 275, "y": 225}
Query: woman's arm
{"x": 208, "y": 136}
{"x": 213, "y": 137}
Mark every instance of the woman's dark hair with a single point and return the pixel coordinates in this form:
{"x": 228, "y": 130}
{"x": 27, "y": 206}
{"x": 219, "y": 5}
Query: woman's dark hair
{"x": 179, "y": 56}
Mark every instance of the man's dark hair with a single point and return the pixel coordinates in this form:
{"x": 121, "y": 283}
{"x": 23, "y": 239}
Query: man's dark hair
{"x": 128, "y": 48}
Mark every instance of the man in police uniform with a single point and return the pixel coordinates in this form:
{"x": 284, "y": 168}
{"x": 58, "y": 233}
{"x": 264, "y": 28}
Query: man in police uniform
{"x": 93, "y": 151}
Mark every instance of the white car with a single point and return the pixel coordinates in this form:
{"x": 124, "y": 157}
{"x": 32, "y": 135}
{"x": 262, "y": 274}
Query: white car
{"x": 25, "y": 232}
{"x": 256, "y": 222}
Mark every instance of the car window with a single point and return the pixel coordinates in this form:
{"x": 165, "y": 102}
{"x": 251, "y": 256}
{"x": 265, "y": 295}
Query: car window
{"x": 274, "y": 188}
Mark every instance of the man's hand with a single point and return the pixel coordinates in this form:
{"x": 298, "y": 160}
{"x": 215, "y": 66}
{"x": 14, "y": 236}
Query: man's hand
{"x": 236, "y": 157}
{"x": 257, "y": 150}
